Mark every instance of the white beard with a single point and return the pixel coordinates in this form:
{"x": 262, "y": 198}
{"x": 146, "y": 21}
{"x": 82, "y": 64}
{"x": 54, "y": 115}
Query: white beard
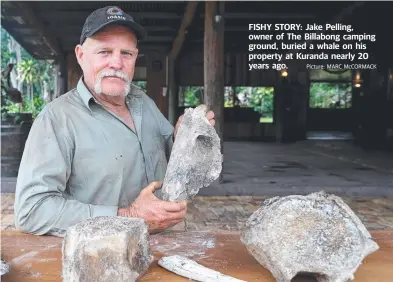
{"x": 119, "y": 74}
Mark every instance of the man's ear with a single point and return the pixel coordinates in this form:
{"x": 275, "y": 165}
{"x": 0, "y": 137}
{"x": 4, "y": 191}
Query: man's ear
{"x": 79, "y": 54}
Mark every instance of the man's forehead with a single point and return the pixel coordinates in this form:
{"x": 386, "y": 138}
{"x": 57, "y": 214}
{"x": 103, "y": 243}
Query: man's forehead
{"x": 100, "y": 37}
{"x": 115, "y": 30}
{"x": 116, "y": 27}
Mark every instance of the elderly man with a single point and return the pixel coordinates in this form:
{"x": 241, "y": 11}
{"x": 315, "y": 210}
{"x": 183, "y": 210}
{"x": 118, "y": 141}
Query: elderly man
{"x": 91, "y": 151}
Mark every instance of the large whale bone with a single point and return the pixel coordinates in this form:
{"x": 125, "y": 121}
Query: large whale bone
{"x": 105, "y": 249}
{"x": 196, "y": 159}
{"x": 317, "y": 234}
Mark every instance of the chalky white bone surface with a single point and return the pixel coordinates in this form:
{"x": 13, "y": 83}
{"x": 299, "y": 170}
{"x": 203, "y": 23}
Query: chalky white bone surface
{"x": 4, "y": 267}
{"x": 196, "y": 159}
{"x": 104, "y": 249}
{"x": 317, "y": 234}
{"x": 188, "y": 268}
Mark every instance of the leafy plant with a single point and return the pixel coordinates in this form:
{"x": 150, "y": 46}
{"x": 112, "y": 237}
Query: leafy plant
{"x": 330, "y": 95}
{"x": 141, "y": 84}
{"x": 6, "y": 54}
{"x": 261, "y": 100}
{"x": 27, "y": 107}
{"x": 193, "y": 96}
{"x": 35, "y": 79}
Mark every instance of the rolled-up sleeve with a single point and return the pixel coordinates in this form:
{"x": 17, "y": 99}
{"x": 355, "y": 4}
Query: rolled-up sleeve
{"x": 41, "y": 205}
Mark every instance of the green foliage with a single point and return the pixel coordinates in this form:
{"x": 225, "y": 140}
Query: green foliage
{"x": 29, "y": 71}
{"x": 258, "y": 98}
{"x": 228, "y": 96}
{"x": 262, "y": 100}
{"x": 193, "y": 95}
{"x": 5, "y": 104}
{"x": 6, "y": 54}
{"x": 228, "y": 104}
{"x": 37, "y": 76}
{"x": 328, "y": 95}
{"x": 266, "y": 119}
{"x": 39, "y": 104}
{"x": 242, "y": 96}
{"x": 141, "y": 84}
{"x": 26, "y": 106}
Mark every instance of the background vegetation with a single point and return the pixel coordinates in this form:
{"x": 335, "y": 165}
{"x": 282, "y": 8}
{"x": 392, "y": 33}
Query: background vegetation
{"x": 258, "y": 98}
{"x": 141, "y": 84}
{"x": 33, "y": 78}
{"x": 330, "y": 95}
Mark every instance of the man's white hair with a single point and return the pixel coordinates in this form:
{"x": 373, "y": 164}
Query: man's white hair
{"x": 112, "y": 73}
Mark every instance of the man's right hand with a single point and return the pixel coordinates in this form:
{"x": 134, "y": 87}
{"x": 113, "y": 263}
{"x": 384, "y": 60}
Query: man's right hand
{"x": 158, "y": 214}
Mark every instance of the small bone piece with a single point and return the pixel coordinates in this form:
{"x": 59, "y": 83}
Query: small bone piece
{"x": 4, "y": 267}
{"x": 196, "y": 159}
{"x": 104, "y": 249}
{"x": 192, "y": 270}
{"x": 316, "y": 234}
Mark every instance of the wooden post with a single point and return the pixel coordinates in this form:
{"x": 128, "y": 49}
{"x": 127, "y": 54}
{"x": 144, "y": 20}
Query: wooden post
{"x": 155, "y": 77}
{"x": 172, "y": 91}
{"x": 172, "y": 60}
{"x": 60, "y": 77}
{"x": 73, "y": 71}
{"x": 214, "y": 64}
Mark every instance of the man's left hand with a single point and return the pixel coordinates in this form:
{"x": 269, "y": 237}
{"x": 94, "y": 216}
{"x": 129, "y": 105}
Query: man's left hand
{"x": 209, "y": 116}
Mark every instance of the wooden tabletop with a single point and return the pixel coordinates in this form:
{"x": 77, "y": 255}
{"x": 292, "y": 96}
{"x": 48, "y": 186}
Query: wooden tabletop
{"x": 38, "y": 258}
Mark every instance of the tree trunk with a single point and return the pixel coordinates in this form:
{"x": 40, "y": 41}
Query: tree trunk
{"x": 45, "y": 92}
{"x": 18, "y": 61}
{"x": 31, "y": 93}
{"x": 16, "y": 82}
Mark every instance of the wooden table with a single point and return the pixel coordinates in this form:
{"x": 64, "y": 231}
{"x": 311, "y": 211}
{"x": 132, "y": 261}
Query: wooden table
{"x": 38, "y": 258}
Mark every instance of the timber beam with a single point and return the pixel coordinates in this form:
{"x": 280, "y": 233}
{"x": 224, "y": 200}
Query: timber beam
{"x": 187, "y": 20}
{"x": 28, "y": 13}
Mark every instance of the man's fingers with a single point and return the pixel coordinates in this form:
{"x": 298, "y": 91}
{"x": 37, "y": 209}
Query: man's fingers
{"x": 162, "y": 226}
{"x": 152, "y": 187}
{"x": 210, "y": 115}
{"x": 173, "y": 222}
{"x": 178, "y": 124}
{"x": 179, "y": 120}
{"x": 174, "y": 207}
{"x": 175, "y": 216}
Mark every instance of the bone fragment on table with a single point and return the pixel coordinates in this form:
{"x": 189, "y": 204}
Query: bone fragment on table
{"x": 4, "y": 267}
{"x": 188, "y": 268}
{"x": 317, "y": 234}
{"x": 196, "y": 159}
{"x": 106, "y": 249}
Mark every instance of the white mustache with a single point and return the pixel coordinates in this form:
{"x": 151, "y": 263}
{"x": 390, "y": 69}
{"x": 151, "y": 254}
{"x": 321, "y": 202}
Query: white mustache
{"x": 114, "y": 73}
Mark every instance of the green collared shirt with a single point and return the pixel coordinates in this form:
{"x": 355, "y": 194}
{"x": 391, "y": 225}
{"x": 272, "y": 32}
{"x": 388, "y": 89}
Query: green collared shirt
{"x": 81, "y": 161}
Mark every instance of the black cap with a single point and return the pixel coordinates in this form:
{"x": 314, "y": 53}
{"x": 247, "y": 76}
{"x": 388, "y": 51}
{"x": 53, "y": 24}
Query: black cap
{"x": 102, "y": 17}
